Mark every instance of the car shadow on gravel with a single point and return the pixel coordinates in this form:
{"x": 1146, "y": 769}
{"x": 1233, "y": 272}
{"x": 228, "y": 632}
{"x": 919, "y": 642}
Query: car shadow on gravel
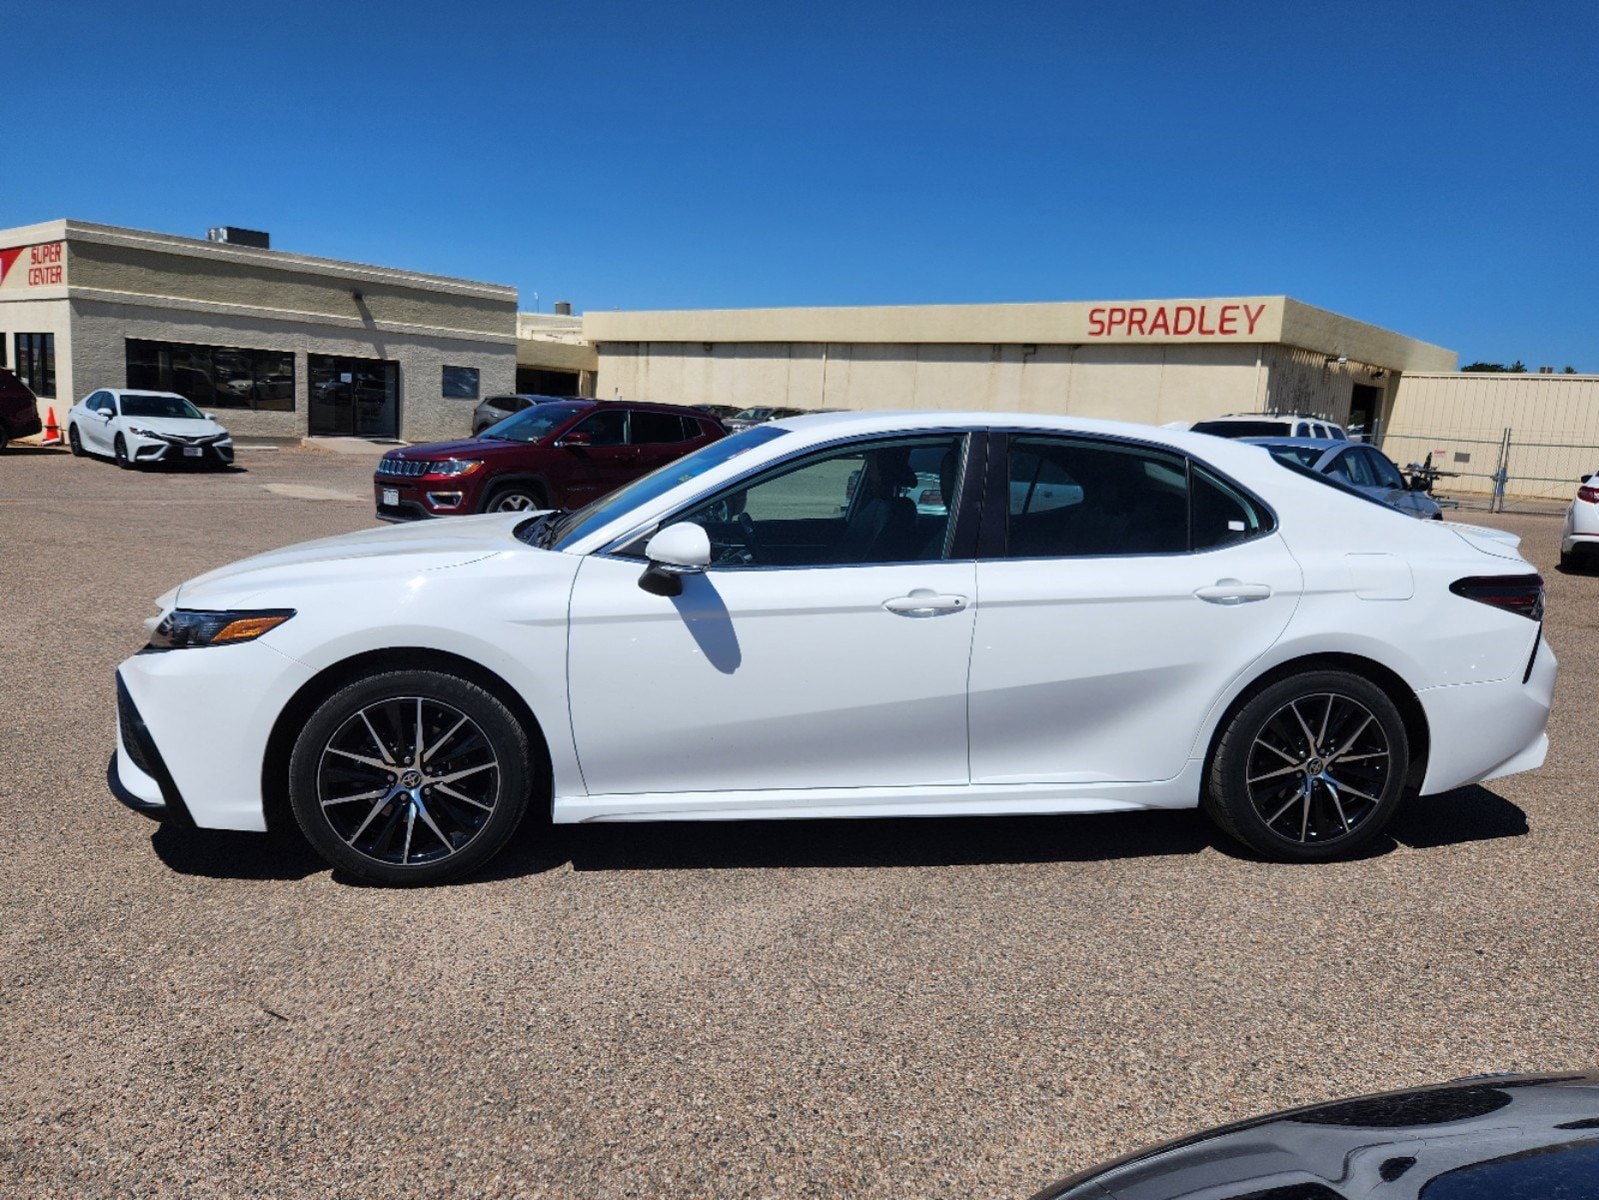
{"x": 1471, "y": 814}
{"x": 223, "y": 854}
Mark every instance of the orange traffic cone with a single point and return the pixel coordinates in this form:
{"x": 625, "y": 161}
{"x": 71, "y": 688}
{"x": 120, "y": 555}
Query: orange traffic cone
{"x": 52, "y": 431}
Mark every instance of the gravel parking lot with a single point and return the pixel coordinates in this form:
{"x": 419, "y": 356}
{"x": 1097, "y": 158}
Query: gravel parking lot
{"x": 940, "y": 1008}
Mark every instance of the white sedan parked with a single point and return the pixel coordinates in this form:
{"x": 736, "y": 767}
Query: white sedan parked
{"x": 135, "y": 427}
{"x": 1579, "y": 540}
{"x": 1101, "y": 617}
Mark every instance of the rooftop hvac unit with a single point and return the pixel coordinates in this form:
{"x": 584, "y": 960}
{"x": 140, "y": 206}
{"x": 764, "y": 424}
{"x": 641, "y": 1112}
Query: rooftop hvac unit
{"x": 232, "y": 235}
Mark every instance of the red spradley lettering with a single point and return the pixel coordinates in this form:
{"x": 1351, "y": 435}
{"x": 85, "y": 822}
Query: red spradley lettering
{"x": 1176, "y": 320}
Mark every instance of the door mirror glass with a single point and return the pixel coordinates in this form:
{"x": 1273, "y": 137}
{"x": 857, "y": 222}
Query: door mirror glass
{"x": 677, "y": 550}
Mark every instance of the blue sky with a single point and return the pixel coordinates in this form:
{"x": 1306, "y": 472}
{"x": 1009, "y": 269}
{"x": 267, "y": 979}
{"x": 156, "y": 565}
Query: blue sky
{"x": 1427, "y": 167}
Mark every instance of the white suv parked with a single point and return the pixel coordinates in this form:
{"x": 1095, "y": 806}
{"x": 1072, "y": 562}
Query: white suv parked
{"x": 1274, "y": 425}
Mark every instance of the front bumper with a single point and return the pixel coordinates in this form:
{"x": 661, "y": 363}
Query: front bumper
{"x": 138, "y": 775}
{"x": 193, "y": 728}
{"x": 212, "y": 450}
{"x": 411, "y": 500}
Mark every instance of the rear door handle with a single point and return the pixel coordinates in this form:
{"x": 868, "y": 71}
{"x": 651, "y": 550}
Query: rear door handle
{"x": 924, "y": 602}
{"x": 1232, "y": 591}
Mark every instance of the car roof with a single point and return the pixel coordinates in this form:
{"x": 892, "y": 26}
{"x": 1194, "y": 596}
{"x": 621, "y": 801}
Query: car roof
{"x": 140, "y": 392}
{"x": 1308, "y": 443}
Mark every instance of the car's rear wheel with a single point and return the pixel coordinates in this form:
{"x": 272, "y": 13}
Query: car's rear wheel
{"x": 74, "y": 442}
{"x": 410, "y": 777}
{"x": 515, "y": 497}
{"x": 1311, "y": 768}
{"x": 120, "y": 449}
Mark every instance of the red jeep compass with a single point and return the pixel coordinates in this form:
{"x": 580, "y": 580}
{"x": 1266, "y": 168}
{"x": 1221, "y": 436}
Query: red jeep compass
{"x": 560, "y": 454}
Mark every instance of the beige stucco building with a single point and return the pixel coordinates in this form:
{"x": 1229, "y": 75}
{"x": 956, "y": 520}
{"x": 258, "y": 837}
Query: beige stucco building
{"x": 277, "y": 344}
{"x": 1151, "y": 360}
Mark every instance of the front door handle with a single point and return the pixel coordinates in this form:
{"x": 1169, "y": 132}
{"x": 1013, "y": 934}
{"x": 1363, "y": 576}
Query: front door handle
{"x": 1232, "y": 591}
{"x": 924, "y": 602}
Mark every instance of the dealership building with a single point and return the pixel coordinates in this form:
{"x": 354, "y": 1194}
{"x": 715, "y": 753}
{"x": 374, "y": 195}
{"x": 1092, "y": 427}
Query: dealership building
{"x": 1154, "y": 361}
{"x": 277, "y": 344}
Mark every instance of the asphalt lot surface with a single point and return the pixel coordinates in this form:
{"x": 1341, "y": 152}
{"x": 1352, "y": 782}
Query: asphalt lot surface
{"x": 942, "y": 1008}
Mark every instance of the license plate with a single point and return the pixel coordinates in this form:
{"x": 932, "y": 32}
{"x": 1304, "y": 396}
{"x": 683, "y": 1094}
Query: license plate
{"x": 391, "y": 495}
{"x": 192, "y": 452}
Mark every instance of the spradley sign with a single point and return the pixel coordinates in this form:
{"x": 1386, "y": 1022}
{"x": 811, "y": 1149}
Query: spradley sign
{"x": 27, "y": 267}
{"x": 1188, "y": 320}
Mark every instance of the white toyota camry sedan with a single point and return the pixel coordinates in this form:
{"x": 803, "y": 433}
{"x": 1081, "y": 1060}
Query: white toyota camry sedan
{"x": 1080, "y": 616}
{"x": 134, "y": 427}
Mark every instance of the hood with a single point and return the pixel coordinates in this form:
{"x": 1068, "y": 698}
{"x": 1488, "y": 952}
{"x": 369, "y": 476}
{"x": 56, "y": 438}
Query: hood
{"x": 394, "y": 551}
{"x": 178, "y": 426}
{"x": 466, "y": 448}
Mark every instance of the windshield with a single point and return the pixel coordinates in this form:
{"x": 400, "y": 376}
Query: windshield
{"x": 534, "y": 423}
{"x": 1240, "y": 429}
{"x": 160, "y": 406}
{"x": 751, "y": 414}
{"x": 657, "y": 483}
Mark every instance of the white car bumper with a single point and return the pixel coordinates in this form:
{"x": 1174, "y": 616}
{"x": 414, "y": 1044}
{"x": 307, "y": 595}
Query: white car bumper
{"x": 1484, "y": 730}
{"x": 192, "y": 731}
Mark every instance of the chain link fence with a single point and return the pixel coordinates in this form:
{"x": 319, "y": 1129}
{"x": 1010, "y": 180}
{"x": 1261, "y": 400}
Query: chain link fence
{"x": 1530, "y": 473}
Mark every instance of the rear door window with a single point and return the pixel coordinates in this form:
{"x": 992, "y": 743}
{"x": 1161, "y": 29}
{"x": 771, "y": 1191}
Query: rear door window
{"x": 651, "y": 428}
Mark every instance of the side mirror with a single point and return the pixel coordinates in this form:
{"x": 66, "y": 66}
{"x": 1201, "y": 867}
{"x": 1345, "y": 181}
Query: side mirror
{"x": 676, "y": 551}
{"x": 209, "y": 416}
{"x": 574, "y": 440}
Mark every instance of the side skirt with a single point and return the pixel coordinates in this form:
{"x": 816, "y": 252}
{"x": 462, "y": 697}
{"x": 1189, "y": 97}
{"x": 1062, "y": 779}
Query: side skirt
{"x": 812, "y": 803}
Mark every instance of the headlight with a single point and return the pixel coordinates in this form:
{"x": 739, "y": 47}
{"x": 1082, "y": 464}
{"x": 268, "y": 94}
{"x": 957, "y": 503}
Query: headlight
{"x": 140, "y": 431}
{"x": 183, "y": 627}
{"x": 453, "y": 467}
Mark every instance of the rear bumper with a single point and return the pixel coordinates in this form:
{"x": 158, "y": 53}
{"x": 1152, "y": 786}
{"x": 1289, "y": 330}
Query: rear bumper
{"x": 24, "y": 424}
{"x": 1482, "y": 731}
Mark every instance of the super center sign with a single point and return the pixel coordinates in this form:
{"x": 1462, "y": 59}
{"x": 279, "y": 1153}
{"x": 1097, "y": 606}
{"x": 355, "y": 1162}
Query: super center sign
{"x": 1182, "y": 320}
{"x": 27, "y": 267}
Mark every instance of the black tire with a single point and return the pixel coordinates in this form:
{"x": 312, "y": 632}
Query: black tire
{"x": 1301, "y": 775}
{"x": 120, "y": 449}
{"x": 448, "y": 832}
{"x": 516, "y": 497}
{"x": 74, "y": 442}
{"x": 5, "y": 439}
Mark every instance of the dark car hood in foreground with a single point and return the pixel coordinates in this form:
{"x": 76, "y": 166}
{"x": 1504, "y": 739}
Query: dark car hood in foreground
{"x": 1474, "y": 1139}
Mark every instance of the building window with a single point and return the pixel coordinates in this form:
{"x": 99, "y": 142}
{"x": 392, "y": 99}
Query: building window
{"x": 460, "y": 383}
{"x": 214, "y": 376}
{"x": 36, "y": 363}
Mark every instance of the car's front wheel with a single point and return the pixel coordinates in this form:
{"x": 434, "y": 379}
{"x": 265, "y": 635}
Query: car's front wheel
{"x": 515, "y": 497}
{"x": 410, "y": 777}
{"x": 1311, "y": 768}
{"x": 74, "y": 442}
{"x": 120, "y": 450}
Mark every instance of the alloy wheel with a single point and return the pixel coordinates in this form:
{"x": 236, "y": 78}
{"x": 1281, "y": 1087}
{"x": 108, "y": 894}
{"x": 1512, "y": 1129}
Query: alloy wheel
{"x": 408, "y": 781}
{"x": 1318, "y": 768}
{"x": 515, "y": 502}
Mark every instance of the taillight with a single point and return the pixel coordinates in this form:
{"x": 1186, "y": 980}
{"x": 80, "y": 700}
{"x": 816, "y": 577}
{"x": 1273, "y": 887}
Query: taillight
{"x": 1588, "y": 494}
{"x": 1520, "y": 594}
